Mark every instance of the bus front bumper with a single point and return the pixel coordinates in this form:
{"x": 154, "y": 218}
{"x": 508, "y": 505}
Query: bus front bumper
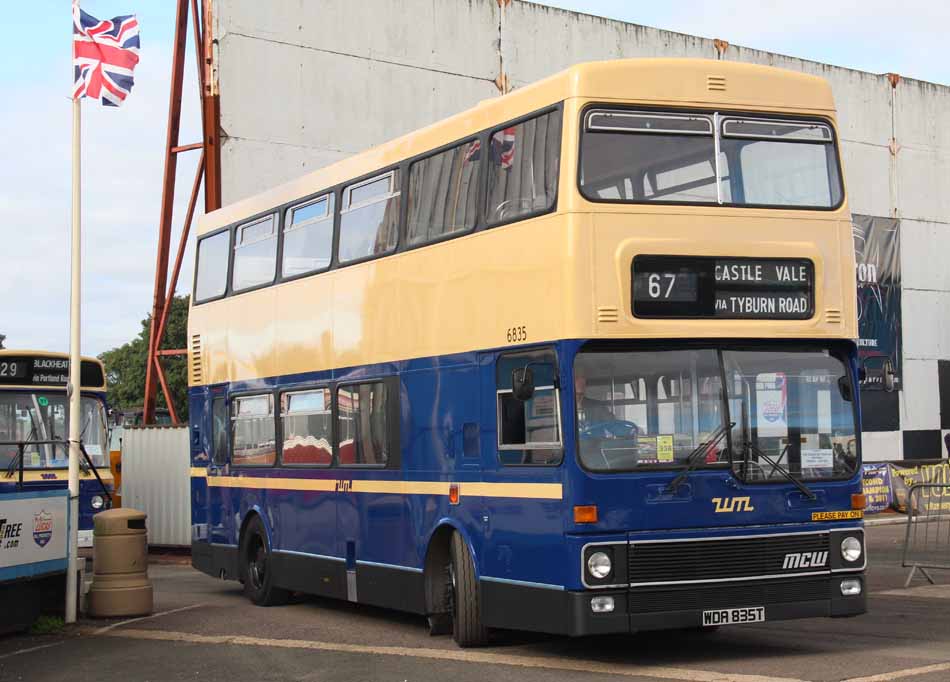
{"x": 683, "y": 606}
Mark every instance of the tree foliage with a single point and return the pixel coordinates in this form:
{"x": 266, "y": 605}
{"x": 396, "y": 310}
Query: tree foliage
{"x": 125, "y": 365}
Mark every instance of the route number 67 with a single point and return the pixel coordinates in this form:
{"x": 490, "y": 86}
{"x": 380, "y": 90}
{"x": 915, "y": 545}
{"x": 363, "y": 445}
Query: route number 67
{"x": 656, "y": 283}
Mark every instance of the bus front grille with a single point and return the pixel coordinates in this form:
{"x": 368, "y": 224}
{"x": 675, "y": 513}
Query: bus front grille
{"x": 726, "y": 559}
{"x": 728, "y": 595}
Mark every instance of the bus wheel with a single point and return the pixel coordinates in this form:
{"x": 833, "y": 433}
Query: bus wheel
{"x": 466, "y": 615}
{"x": 257, "y": 567}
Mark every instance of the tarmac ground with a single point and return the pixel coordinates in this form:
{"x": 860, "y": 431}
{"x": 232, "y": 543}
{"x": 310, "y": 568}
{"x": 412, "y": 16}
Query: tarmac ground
{"x": 204, "y": 629}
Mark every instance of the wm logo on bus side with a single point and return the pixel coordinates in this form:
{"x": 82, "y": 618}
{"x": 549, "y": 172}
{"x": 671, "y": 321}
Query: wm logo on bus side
{"x": 732, "y": 504}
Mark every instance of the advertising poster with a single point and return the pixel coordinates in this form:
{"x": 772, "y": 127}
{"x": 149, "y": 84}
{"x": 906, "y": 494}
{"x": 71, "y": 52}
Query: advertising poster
{"x": 878, "y": 256}
{"x": 771, "y": 405}
{"x": 877, "y": 487}
{"x": 903, "y": 479}
{"x": 32, "y": 531}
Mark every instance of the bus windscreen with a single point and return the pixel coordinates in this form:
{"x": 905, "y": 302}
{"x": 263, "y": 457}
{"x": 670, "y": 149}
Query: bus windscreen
{"x": 44, "y": 416}
{"x": 639, "y": 157}
{"x": 651, "y": 409}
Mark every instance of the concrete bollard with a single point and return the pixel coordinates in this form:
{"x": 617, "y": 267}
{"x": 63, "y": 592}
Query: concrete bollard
{"x": 120, "y": 584}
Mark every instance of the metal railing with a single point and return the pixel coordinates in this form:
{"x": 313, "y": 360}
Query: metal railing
{"x": 927, "y": 540}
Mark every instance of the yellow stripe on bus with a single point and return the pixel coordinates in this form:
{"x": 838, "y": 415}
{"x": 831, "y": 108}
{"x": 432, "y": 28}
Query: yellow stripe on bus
{"x": 32, "y": 476}
{"x": 539, "y": 491}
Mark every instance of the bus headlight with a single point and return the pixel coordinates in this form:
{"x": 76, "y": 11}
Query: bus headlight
{"x": 851, "y": 549}
{"x": 97, "y": 502}
{"x": 598, "y": 564}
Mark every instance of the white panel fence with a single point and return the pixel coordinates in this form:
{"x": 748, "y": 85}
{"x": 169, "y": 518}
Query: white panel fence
{"x": 156, "y": 479}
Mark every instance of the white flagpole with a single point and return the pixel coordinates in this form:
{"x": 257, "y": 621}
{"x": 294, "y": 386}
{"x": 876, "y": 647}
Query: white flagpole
{"x": 74, "y": 375}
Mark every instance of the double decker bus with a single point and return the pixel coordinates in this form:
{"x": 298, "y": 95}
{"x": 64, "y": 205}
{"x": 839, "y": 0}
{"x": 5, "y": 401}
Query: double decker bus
{"x": 578, "y": 360}
{"x": 34, "y": 430}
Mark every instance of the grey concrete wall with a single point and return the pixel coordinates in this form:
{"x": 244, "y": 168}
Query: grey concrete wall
{"x": 305, "y": 83}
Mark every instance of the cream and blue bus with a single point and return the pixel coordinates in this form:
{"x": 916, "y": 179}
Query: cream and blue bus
{"x": 34, "y": 430}
{"x": 579, "y": 360}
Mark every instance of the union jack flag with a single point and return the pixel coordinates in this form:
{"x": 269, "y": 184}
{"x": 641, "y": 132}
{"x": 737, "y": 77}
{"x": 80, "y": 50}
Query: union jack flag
{"x": 502, "y": 148}
{"x": 104, "y": 56}
{"x": 504, "y": 141}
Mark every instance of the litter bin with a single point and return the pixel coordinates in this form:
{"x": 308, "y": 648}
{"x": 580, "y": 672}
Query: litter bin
{"x": 120, "y": 584}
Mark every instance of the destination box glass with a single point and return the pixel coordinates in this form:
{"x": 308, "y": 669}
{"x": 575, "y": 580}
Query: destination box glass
{"x": 722, "y": 287}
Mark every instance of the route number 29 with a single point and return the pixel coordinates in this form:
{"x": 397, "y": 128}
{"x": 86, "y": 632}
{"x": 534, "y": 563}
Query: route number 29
{"x": 8, "y": 369}
{"x": 516, "y": 334}
{"x": 656, "y": 282}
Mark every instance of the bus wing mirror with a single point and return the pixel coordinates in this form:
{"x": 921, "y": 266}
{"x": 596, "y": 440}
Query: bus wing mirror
{"x": 890, "y": 376}
{"x": 522, "y": 383}
{"x": 844, "y": 388}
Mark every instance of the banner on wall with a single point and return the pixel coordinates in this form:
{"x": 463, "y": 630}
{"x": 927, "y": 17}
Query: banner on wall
{"x": 887, "y": 485}
{"x": 876, "y": 485}
{"x": 878, "y": 254}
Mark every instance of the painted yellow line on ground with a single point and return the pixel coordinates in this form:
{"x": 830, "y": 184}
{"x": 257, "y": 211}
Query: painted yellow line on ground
{"x": 536, "y": 491}
{"x": 902, "y": 674}
{"x": 461, "y": 655}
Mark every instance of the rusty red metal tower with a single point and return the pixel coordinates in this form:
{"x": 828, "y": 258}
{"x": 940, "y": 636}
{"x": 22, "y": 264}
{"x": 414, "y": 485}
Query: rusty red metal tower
{"x": 209, "y": 169}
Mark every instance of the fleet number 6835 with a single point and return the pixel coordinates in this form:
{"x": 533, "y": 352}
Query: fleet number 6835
{"x": 516, "y": 334}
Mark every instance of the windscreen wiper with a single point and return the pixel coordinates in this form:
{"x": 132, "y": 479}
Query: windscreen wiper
{"x": 698, "y": 455}
{"x": 776, "y": 466}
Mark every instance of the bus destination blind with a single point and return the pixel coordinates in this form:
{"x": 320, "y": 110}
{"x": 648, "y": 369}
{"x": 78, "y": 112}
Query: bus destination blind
{"x": 45, "y": 371}
{"x": 723, "y": 287}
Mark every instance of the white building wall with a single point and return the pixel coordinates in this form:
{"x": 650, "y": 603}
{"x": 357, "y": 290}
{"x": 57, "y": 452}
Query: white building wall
{"x": 304, "y": 84}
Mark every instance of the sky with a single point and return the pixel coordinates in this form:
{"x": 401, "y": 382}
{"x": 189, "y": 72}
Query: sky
{"x": 123, "y": 149}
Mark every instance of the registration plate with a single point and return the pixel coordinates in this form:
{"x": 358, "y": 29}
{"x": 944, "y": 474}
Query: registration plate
{"x": 749, "y": 614}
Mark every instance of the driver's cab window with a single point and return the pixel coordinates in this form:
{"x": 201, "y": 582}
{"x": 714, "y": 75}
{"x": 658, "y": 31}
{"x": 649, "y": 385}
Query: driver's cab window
{"x": 645, "y": 408}
{"x": 529, "y": 427}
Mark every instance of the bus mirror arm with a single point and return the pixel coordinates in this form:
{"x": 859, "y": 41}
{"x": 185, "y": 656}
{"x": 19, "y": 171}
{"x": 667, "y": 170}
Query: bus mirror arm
{"x": 92, "y": 467}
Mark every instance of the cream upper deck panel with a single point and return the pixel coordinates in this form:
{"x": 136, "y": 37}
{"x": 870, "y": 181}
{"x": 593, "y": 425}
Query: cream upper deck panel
{"x": 560, "y": 275}
{"x": 675, "y": 82}
{"x": 17, "y": 353}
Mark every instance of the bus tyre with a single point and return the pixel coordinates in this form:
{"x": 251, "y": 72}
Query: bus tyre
{"x": 466, "y": 612}
{"x": 257, "y": 567}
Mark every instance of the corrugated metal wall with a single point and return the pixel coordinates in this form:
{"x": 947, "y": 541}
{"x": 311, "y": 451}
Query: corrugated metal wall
{"x": 304, "y": 84}
{"x": 156, "y": 479}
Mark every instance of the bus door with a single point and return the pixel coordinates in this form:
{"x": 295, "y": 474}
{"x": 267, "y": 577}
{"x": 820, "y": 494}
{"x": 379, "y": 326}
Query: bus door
{"x": 307, "y": 519}
{"x": 523, "y": 520}
{"x": 372, "y": 521}
{"x": 216, "y": 459}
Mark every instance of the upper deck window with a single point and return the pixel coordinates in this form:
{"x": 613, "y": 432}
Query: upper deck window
{"x": 640, "y": 157}
{"x": 369, "y": 219}
{"x": 523, "y": 168}
{"x": 211, "y": 278}
{"x": 782, "y": 163}
{"x": 443, "y": 193}
{"x": 255, "y": 253}
{"x": 308, "y": 237}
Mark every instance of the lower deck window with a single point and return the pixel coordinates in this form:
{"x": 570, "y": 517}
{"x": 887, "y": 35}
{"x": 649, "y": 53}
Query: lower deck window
{"x": 253, "y": 431}
{"x": 306, "y": 426}
{"x": 529, "y": 431}
{"x": 364, "y": 427}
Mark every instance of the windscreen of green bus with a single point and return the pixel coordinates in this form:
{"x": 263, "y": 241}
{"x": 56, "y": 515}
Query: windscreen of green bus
{"x": 44, "y": 416}
{"x": 789, "y": 410}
